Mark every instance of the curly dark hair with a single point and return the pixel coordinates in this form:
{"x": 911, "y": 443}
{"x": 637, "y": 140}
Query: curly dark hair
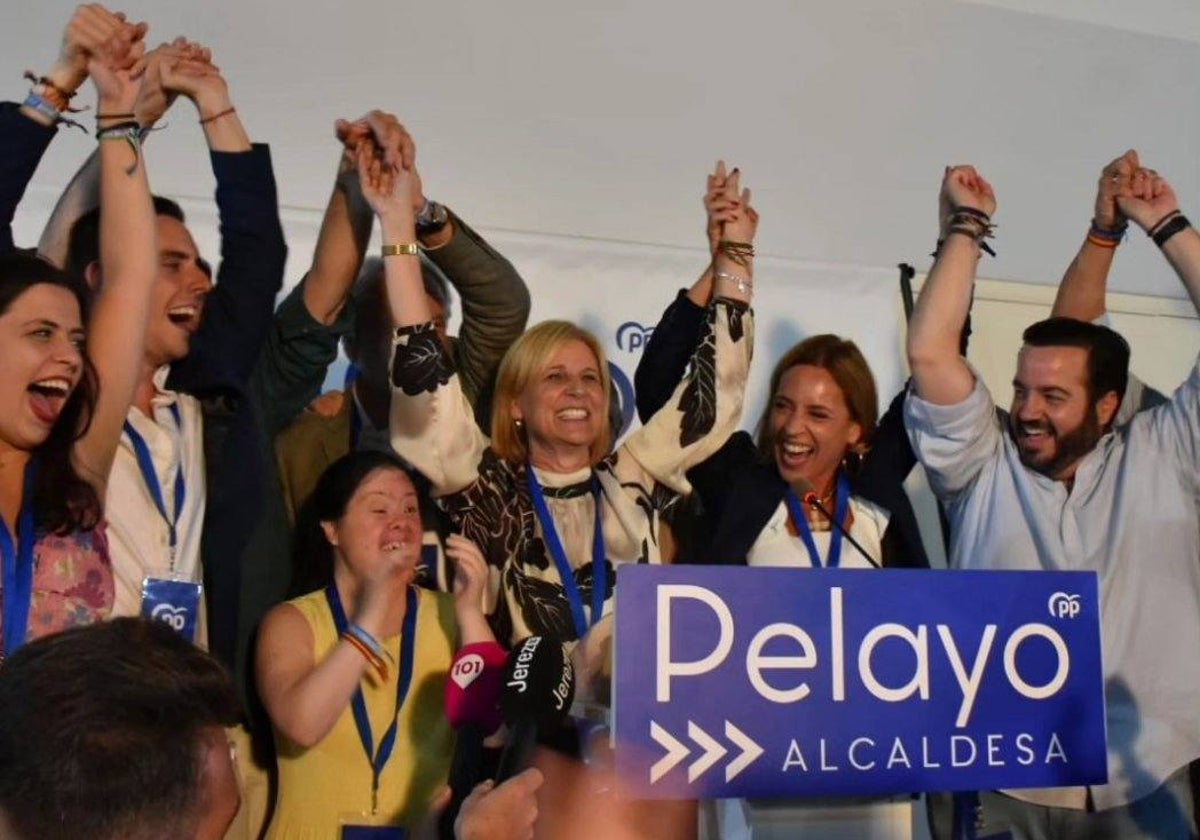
{"x": 63, "y": 501}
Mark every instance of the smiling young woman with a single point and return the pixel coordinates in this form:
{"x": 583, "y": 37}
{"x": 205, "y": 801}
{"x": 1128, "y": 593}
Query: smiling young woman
{"x": 359, "y": 663}
{"x": 58, "y": 429}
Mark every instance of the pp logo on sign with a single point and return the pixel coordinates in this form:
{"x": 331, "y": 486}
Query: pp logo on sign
{"x": 1063, "y": 605}
{"x": 467, "y": 669}
{"x": 172, "y": 616}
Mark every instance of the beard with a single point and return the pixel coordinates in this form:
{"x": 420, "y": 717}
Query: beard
{"x": 1069, "y": 446}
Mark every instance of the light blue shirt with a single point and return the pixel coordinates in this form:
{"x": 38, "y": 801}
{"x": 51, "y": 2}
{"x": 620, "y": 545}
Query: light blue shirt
{"x": 1132, "y": 518}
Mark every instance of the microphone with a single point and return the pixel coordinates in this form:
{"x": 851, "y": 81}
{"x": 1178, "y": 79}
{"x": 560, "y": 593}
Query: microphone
{"x": 473, "y": 708}
{"x": 474, "y": 687}
{"x": 809, "y": 497}
{"x": 539, "y": 685}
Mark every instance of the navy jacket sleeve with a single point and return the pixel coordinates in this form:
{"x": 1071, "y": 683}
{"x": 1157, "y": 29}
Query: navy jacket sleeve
{"x": 891, "y": 457}
{"x": 22, "y": 144}
{"x": 667, "y": 354}
{"x": 238, "y": 311}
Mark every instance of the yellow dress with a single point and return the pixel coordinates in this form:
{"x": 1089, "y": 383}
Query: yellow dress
{"x": 320, "y": 785}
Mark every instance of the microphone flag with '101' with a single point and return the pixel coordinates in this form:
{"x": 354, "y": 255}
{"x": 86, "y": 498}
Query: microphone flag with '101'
{"x": 539, "y": 687}
{"x": 473, "y": 689}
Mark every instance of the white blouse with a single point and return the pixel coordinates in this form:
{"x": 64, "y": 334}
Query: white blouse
{"x": 776, "y": 546}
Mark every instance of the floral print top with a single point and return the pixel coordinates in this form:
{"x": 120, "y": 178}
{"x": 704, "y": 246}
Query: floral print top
{"x": 488, "y": 499}
{"x": 72, "y": 582}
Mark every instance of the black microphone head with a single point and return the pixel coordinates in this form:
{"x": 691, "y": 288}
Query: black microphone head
{"x": 539, "y": 682}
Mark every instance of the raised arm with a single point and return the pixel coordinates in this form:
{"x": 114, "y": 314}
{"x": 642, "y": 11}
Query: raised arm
{"x": 27, "y": 129}
{"x": 940, "y": 374}
{"x": 1082, "y": 290}
{"x": 1151, "y": 203}
{"x": 238, "y": 311}
{"x": 707, "y": 404}
{"x": 430, "y": 423}
{"x": 346, "y": 226}
{"x": 673, "y": 339}
{"x": 1175, "y": 425}
{"x": 83, "y": 190}
{"x": 128, "y": 260}
{"x": 307, "y": 325}
{"x": 495, "y": 305}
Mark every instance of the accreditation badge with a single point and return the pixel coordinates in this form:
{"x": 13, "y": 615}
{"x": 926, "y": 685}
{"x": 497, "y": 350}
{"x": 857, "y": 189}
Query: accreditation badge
{"x": 359, "y": 826}
{"x": 173, "y": 602}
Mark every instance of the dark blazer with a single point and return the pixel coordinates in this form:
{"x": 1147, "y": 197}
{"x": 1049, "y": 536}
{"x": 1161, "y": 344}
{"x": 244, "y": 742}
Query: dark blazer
{"x": 738, "y": 492}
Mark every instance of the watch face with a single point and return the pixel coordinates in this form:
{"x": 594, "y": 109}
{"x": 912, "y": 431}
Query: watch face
{"x": 433, "y": 217}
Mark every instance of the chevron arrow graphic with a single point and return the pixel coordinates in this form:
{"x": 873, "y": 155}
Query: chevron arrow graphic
{"x": 750, "y": 751}
{"x": 713, "y": 751}
{"x": 676, "y": 752}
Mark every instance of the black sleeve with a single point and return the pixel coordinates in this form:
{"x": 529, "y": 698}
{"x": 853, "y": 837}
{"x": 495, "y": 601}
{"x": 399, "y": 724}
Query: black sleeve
{"x": 891, "y": 457}
{"x": 710, "y": 479}
{"x": 666, "y": 356}
{"x": 22, "y": 144}
{"x": 239, "y": 310}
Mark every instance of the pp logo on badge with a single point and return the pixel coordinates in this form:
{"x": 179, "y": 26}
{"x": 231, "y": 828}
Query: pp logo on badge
{"x": 170, "y": 615}
{"x": 467, "y": 669}
{"x": 1063, "y": 605}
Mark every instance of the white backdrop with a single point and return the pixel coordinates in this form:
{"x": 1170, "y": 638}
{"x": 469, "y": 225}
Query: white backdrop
{"x": 555, "y": 117}
{"x": 577, "y": 139}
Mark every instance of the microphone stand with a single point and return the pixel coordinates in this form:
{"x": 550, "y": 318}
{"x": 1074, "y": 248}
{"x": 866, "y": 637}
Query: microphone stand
{"x": 810, "y": 499}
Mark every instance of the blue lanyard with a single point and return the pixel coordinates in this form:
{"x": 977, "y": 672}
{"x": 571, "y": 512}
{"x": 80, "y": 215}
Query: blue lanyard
{"x": 565, "y": 572}
{"x": 840, "y": 509}
{"x": 408, "y": 637}
{"x": 18, "y": 567}
{"x": 150, "y": 477}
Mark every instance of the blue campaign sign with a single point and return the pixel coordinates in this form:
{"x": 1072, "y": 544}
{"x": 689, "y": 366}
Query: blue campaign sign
{"x": 778, "y": 682}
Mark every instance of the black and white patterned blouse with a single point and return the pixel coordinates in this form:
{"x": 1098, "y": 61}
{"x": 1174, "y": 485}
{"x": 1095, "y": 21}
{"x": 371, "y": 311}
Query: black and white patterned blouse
{"x": 488, "y": 498}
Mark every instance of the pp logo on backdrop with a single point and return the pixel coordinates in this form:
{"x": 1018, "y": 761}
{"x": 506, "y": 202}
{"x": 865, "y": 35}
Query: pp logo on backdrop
{"x": 623, "y": 393}
{"x": 632, "y": 336}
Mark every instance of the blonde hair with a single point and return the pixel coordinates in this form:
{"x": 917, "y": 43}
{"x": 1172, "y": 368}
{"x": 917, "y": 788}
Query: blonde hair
{"x": 525, "y": 360}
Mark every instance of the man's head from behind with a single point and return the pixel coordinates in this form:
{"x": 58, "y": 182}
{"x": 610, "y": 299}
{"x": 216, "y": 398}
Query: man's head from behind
{"x": 1071, "y": 376}
{"x": 370, "y": 345}
{"x": 116, "y": 731}
{"x": 184, "y": 279}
